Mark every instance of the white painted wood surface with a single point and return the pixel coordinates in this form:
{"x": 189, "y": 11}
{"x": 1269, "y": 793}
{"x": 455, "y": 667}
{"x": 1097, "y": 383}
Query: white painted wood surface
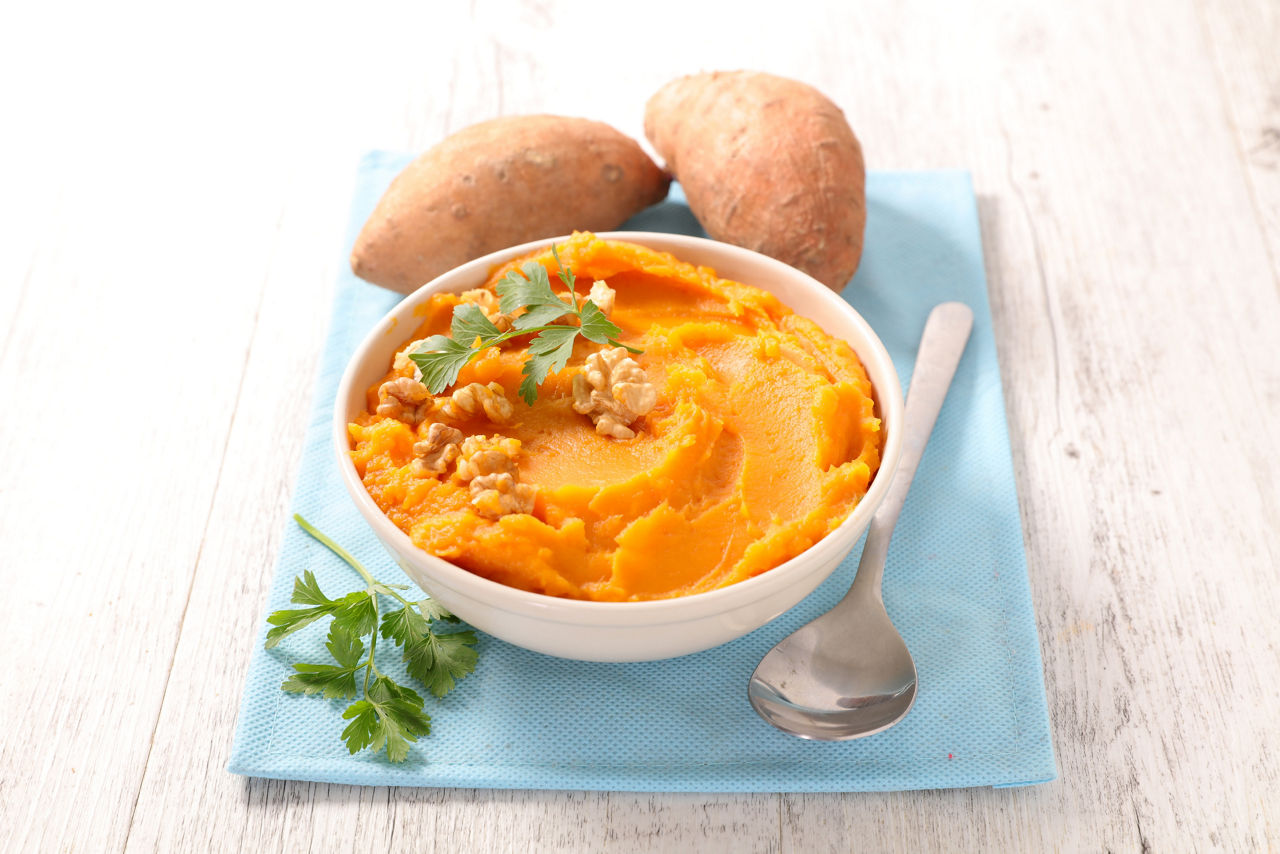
{"x": 174, "y": 183}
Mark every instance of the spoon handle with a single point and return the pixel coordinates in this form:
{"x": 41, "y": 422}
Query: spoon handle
{"x": 945, "y": 334}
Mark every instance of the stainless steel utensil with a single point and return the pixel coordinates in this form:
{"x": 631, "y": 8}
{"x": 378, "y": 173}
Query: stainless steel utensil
{"x": 848, "y": 673}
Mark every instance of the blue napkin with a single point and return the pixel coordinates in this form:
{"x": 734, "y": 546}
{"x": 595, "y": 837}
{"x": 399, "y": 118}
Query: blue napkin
{"x": 955, "y": 585}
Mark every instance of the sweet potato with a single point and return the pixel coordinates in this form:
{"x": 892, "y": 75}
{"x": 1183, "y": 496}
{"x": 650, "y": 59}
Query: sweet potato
{"x": 500, "y": 183}
{"x": 766, "y": 163}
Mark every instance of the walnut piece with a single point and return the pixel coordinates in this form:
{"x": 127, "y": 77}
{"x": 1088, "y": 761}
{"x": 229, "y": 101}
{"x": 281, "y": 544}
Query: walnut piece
{"x": 482, "y": 455}
{"x": 496, "y": 495}
{"x": 489, "y": 463}
{"x": 474, "y": 398}
{"x": 602, "y": 295}
{"x": 614, "y": 390}
{"x": 489, "y": 305}
{"x": 403, "y": 362}
{"x": 437, "y": 451}
{"x": 404, "y": 399}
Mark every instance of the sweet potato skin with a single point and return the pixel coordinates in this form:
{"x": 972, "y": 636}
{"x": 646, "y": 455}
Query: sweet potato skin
{"x": 766, "y": 163}
{"x": 499, "y": 183}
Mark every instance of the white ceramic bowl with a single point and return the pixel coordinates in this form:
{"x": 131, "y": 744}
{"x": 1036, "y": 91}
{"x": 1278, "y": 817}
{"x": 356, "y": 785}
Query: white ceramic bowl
{"x": 628, "y": 631}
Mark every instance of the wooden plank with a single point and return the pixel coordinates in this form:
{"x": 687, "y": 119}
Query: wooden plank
{"x": 105, "y": 493}
{"x": 1243, "y": 35}
{"x": 147, "y": 233}
{"x": 235, "y": 565}
{"x": 297, "y": 817}
{"x": 1130, "y": 290}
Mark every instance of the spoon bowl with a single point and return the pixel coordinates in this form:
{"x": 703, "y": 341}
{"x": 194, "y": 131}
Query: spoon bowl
{"x": 809, "y": 687}
{"x": 849, "y": 674}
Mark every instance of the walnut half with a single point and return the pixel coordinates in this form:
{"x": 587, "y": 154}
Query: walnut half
{"x": 404, "y": 399}
{"x": 489, "y": 463}
{"x": 438, "y": 450}
{"x": 474, "y": 398}
{"x": 496, "y": 495}
{"x": 614, "y": 390}
{"x": 483, "y": 455}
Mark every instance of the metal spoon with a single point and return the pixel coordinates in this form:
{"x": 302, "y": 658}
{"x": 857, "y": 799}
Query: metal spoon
{"x": 848, "y": 673}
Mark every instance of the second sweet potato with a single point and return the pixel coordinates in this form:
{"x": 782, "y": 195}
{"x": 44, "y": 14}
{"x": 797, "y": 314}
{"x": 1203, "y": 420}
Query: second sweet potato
{"x": 766, "y": 163}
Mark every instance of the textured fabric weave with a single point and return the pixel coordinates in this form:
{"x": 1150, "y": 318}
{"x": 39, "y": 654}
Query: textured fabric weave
{"x": 956, "y": 586}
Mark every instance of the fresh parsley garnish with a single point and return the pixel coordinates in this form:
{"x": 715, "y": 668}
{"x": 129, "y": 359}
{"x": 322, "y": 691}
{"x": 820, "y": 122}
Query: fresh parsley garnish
{"x": 389, "y": 715}
{"x": 526, "y": 295}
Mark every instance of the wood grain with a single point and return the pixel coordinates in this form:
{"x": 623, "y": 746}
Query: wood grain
{"x": 1129, "y": 579}
{"x": 1242, "y": 36}
{"x": 103, "y": 512}
{"x": 1129, "y": 191}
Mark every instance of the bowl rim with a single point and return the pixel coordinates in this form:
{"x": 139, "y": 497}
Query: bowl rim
{"x": 676, "y": 609}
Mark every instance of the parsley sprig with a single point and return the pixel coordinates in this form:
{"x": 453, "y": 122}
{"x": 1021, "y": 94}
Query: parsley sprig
{"x": 389, "y": 715}
{"x": 528, "y": 290}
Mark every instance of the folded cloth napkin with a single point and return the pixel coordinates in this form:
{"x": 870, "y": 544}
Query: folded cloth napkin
{"x": 955, "y": 585}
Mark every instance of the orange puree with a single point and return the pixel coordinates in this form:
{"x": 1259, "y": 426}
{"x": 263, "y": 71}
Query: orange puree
{"x": 763, "y": 439}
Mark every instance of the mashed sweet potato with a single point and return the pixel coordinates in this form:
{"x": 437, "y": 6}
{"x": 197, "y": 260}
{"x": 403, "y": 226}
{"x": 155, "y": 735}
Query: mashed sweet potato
{"x": 763, "y": 439}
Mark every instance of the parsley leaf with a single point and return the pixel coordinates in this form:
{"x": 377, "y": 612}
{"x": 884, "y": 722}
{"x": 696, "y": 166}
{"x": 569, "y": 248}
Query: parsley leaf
{"x": 439, "y": 359}
{"x": 389, "y": 716}
{"x": 306, "y": 591}
{"x": 436, "y": 659}
{"x": 403, "y": 624}
{"x": 288, "y": 622}
{"x": 356, "y": 613}
{"x": 433, "y": 610}
{"x": 526, "y": 295}
{"x": 346, "y": 648}
{"x": 353, "y": 613}
{"x": 540, "y": 316}
{"x": 469, "y": 323}
{"x": 526, "y": 288}
{"x": 327, "y": 679}
{"x": 399, "y": 719}
{"x": 596, "y": 325}
{"x": 550, "y": 351}
{"x": 566, "y": 273}
{"x": 531, "y": 292}
{"x": 360, "y": 733}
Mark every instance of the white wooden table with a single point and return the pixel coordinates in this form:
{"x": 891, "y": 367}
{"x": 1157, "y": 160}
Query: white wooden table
{"x": 173, "y": 190}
